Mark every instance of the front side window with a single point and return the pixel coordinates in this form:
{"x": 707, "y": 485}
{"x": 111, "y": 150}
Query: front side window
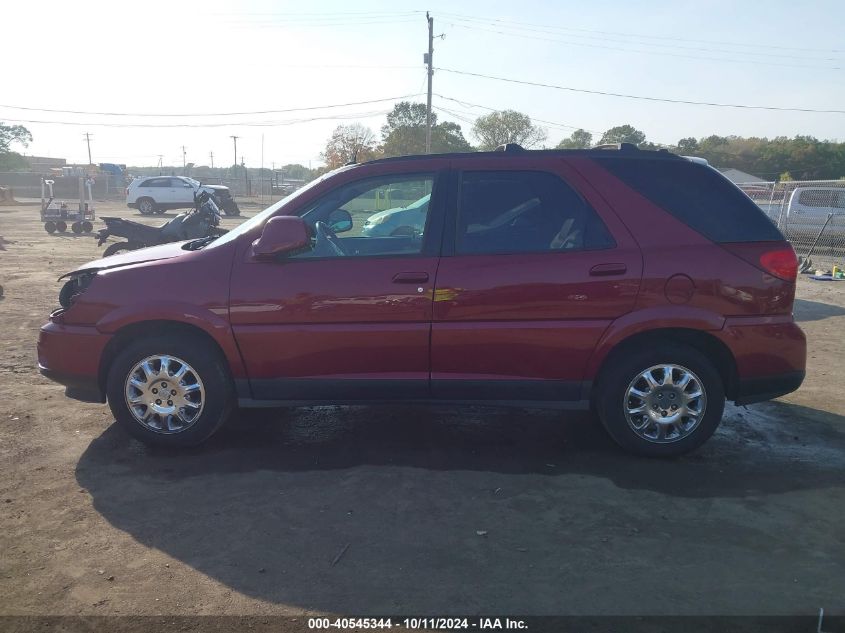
{"x": 377, "y": 216}
{"x": 524, "y": 212}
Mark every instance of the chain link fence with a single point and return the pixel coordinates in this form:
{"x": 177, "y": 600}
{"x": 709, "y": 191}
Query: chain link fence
{"x": 810, "y": 213}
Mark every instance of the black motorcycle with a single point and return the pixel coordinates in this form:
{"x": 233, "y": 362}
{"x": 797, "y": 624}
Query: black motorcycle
{"x": 201, "y": 221}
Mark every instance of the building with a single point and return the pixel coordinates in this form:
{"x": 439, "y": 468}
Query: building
{"x": 738, "y": 177}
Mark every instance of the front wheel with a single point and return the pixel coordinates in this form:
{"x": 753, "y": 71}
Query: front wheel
{"x": 117, "y": 247}
{"x": 170, "y": 389}
{"x": 660, "y": 402}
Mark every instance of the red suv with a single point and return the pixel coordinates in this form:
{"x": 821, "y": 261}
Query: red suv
{"x": 642, "y": 284}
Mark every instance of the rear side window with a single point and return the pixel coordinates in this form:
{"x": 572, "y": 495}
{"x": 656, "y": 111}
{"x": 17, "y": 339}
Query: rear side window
{"x": 698, "y": 196}
{"x": 524, "y": 212}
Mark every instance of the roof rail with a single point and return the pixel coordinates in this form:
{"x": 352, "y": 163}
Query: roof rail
{"x": 622, "y": 147}
{"x": 510, "y": 148}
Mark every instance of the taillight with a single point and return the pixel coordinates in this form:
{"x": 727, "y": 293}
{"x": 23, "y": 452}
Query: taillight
{"x": 781, "y": 263}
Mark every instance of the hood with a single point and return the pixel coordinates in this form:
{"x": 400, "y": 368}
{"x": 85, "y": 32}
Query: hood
{"x": 153, "y": 253}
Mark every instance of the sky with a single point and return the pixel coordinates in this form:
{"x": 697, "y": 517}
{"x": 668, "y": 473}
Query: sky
{"x": 156, "y": 66}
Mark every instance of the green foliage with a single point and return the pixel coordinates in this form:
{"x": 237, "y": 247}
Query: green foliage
{"x": 579, "y": 139}
{"x": 507, "y": 126}
{"x": 9, "y": 160}
{"x": 404, "y": 133}
{"x": 801, "y": 157}
{"x": 623, "y": 134}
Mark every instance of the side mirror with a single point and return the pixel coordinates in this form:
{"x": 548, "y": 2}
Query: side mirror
{"x": 340, "y": 221}
{"x": 282, "y": 234}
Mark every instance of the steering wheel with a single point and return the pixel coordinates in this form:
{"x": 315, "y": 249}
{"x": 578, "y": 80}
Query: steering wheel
{"x": 327, "y": 237}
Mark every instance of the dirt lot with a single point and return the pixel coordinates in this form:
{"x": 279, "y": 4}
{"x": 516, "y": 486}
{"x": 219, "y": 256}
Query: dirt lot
{"x": 438, "y": 511}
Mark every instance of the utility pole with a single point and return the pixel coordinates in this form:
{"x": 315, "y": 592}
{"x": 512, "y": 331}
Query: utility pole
{"x": 246, "y": 177}
{"x": 183, "y": 159}
{"x": 235, "y": 138}
{"x": 160, "y": 157}
{"x": 88, "y": 141}
{"x": 211, "y": 156}
{"x": 429, "y": 59}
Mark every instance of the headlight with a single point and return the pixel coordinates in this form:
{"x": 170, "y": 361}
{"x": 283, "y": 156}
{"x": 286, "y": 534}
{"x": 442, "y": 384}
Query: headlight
{"x": 74, "y": 287}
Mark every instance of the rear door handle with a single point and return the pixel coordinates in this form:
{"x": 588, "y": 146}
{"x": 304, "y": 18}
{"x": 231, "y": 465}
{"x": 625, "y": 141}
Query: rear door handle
{"x": 410, "y": 278}
{"x": 602, "y": 270}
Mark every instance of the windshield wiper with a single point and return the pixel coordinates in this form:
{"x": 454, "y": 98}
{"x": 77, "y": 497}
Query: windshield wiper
{"x": 195, "y": 245}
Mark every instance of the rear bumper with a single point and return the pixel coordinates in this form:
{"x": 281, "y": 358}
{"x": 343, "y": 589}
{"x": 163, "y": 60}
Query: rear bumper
{"x": 770, "y": 355}
{"x": 753, "y": 390}
{"x": 70, "y": 355}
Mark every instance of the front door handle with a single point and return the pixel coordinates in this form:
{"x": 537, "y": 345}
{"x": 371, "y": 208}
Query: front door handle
{"x": 601, "y": 270}
{"x": 410, "y": 278}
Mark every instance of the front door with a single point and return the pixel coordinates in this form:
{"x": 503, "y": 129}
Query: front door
{"x": 348, "y": 319}
{"x": 181, "y": 192}
{"x": 533, "y": 277}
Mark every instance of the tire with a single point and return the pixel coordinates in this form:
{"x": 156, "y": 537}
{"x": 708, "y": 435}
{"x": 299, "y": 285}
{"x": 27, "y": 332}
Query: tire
{"x": 232, "y": 209}
{"x": 76, "y": 227}
{"x": 61, "y": 226}
{"x": 117, "y": 247}
{"x": 87, "y": 227}
{"x": 208, "y": 405}
{"x": 147, "y": 206}
{"x": 50, "y": 227}
{"x": 685, "y": 434}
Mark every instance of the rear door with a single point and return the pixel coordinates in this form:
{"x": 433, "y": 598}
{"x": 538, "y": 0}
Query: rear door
{"x": 535, "y": 268}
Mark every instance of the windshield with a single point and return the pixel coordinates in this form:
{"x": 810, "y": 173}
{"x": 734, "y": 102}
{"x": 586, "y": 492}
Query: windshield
{"x": 260, "y": 218}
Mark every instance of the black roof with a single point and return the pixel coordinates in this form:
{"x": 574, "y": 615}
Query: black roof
{"x": 510, "y": 150}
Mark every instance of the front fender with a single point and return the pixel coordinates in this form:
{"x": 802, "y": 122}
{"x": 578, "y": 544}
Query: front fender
{"x": 648, "y": 319}
{"x": 212, "y": 321}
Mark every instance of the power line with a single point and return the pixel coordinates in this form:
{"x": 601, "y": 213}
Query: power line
{"x": 641, "y": 97}
{"x": 359, "y": 115}
{"x": 552, "y": 30}
{"x": 779, "y": 64}
{"x": 646, "y": 36}
{"x": 210, "y": 114}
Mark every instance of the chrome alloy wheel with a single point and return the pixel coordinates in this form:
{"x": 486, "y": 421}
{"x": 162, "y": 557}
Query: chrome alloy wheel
{"x": 164, "y": 394}
{"x": 665, "y": 403}
{"x": 146, "y": 206}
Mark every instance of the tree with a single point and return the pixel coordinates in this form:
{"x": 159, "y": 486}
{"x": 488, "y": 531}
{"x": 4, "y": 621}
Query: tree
{"x": 297, "y": 172}
{"x": 688, "y": 145}
{"x": 9, "y": 134}
{"x": 623, "y": 134}
{"x": 507, "y": 126}
{"x": 579, "y": 139}
{"x": 404, "y": 133}
{"x": 349, "y": 143}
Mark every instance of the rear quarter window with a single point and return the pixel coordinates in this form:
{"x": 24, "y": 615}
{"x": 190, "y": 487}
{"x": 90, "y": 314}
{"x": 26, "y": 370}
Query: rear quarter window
{"x": 698, "y": 196}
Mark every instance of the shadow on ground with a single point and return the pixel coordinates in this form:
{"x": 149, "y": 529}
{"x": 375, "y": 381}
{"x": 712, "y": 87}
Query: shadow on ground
{"x": 424, "y": 507}
{"x": 806, "y": 310}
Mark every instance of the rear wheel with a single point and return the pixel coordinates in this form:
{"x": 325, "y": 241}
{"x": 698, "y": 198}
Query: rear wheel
{"x": 171, "y": 390}
{"x": 661, "y": 402}
{"x": 87, "y": 227}
{"x": 61, "y": 226}
{"x": 76, "y": 227}
{"x": 121, "y": 246}
{"x": 146, "y": 206}
{"x": 50, "y": 226}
